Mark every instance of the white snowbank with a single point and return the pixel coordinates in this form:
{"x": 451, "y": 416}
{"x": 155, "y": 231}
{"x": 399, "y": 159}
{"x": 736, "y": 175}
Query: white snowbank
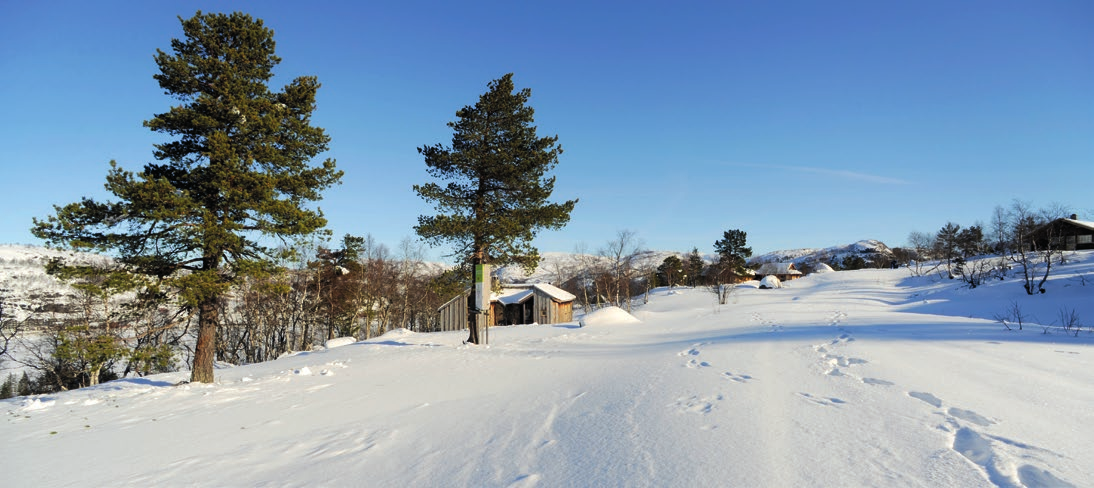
{"x": 822, "y": 268}
{"x": 339, "y": 342}
{"x": 399, "y": 333}
{"x": 608, "y": 316}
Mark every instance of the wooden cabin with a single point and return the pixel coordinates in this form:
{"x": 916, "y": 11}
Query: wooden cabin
{"x": 538, "y": 303}
{"x": 782, "y": 271}
{"x": 1065, "y": 235}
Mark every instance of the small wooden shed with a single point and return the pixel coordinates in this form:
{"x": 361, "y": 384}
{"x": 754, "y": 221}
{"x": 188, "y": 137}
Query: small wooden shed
{"x": 538, "y": 303}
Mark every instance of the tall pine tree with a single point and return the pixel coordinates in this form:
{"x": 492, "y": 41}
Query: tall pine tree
{"x": 496, "y": 198}
{"x": 236, "y": 174}
{"x": 695, "y": 267}
{"x": 732, "y": 250}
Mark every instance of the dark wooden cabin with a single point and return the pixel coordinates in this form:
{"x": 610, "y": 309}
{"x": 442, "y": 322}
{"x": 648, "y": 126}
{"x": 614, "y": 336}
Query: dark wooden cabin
{"x": 1065, "y": 234}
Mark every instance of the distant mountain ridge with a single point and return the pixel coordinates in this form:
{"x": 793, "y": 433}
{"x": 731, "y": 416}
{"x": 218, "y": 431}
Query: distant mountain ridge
{"x": 868, "y": 249}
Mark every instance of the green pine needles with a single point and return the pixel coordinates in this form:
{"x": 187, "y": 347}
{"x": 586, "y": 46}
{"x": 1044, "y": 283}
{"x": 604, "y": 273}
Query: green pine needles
{"x": 236, "y": 171}
{"x": 496, "y": 198}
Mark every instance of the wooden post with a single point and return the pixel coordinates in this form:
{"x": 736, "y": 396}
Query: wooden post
{"x": 480, "y": 330}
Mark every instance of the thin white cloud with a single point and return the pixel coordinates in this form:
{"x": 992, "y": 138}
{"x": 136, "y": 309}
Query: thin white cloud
{"x": 837, "y": 173}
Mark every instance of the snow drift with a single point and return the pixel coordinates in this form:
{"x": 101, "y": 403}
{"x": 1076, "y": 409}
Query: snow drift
{"x": 608, "y": 316}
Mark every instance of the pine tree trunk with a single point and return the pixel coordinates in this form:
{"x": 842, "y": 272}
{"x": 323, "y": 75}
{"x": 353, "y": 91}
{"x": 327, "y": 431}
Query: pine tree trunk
{"x": 205, "y": 350}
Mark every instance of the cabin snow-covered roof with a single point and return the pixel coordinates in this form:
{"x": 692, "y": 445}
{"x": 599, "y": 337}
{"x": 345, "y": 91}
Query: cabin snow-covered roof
{"x": 513, "y": 294}
{"x": 1082, "y": 223}
{"x": 555, "y": 292}
{"x": 778, "y": 268}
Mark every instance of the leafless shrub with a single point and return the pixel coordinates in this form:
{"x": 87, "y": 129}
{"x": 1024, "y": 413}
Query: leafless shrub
{"x": 1082, "y": 279}
{"x": 974, "y": 273}
{"x": 722, "y": 292}
{"x": 1012, "y": 315}
{"x": 1069, "y": 320}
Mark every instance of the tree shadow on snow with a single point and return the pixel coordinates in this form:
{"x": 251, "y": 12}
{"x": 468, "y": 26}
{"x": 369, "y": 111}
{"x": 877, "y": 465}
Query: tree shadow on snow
{"x": 142, "y": 382}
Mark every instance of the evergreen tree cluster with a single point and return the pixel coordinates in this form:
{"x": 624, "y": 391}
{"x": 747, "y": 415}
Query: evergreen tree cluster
{"x": 13, "y": 387}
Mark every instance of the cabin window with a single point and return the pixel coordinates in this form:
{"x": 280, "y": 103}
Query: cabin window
{"x": 1087, "y": 239}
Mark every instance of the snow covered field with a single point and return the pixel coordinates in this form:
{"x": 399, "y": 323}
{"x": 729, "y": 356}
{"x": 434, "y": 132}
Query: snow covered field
{"x": 858, "y": 378}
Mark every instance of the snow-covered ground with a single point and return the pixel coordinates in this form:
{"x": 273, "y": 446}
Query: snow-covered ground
{"x": 857, "y": 378}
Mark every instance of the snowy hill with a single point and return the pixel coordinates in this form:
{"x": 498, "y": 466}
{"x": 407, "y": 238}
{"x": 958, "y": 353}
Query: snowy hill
{"x": 854, "y": 378}
{"x": 24, "y": 283}
{"x": 553, "y": 265}
{"x": 867, "y": 249}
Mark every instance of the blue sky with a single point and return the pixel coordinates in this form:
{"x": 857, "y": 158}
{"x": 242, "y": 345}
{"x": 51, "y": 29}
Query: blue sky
{"x": 805, "y": 124}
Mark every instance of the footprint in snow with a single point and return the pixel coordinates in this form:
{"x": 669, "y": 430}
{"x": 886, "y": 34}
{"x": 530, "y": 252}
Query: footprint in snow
{"x": 980, "y": 451}
{"x": 844, "y": 362}
{"x": 695, "y": 404}
{"x": 877, "y": 382}
{"x": 956, "y": 413}
{"x": 697, "y": 364}
{"x": 836, "y": 318}
{"x": 526, "y": 480}
{"x": 827, "y": 402}
{"x": 739, "y": 378}
{"x": 926, "y": 397}
{"x": 690, "y": 352}
{"x": 1031, "y": 476}
{"x": 970, "y": 416}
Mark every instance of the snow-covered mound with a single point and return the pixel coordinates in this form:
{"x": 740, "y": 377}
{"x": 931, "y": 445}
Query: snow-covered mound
{"x": 822, "y": 268}
{"x": 608, "y": 316}
{"x": 339, "y": 342}
{"x": 770, "y": 281}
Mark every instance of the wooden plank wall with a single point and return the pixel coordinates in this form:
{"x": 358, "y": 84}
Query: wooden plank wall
{"x": 453, "y": 315}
